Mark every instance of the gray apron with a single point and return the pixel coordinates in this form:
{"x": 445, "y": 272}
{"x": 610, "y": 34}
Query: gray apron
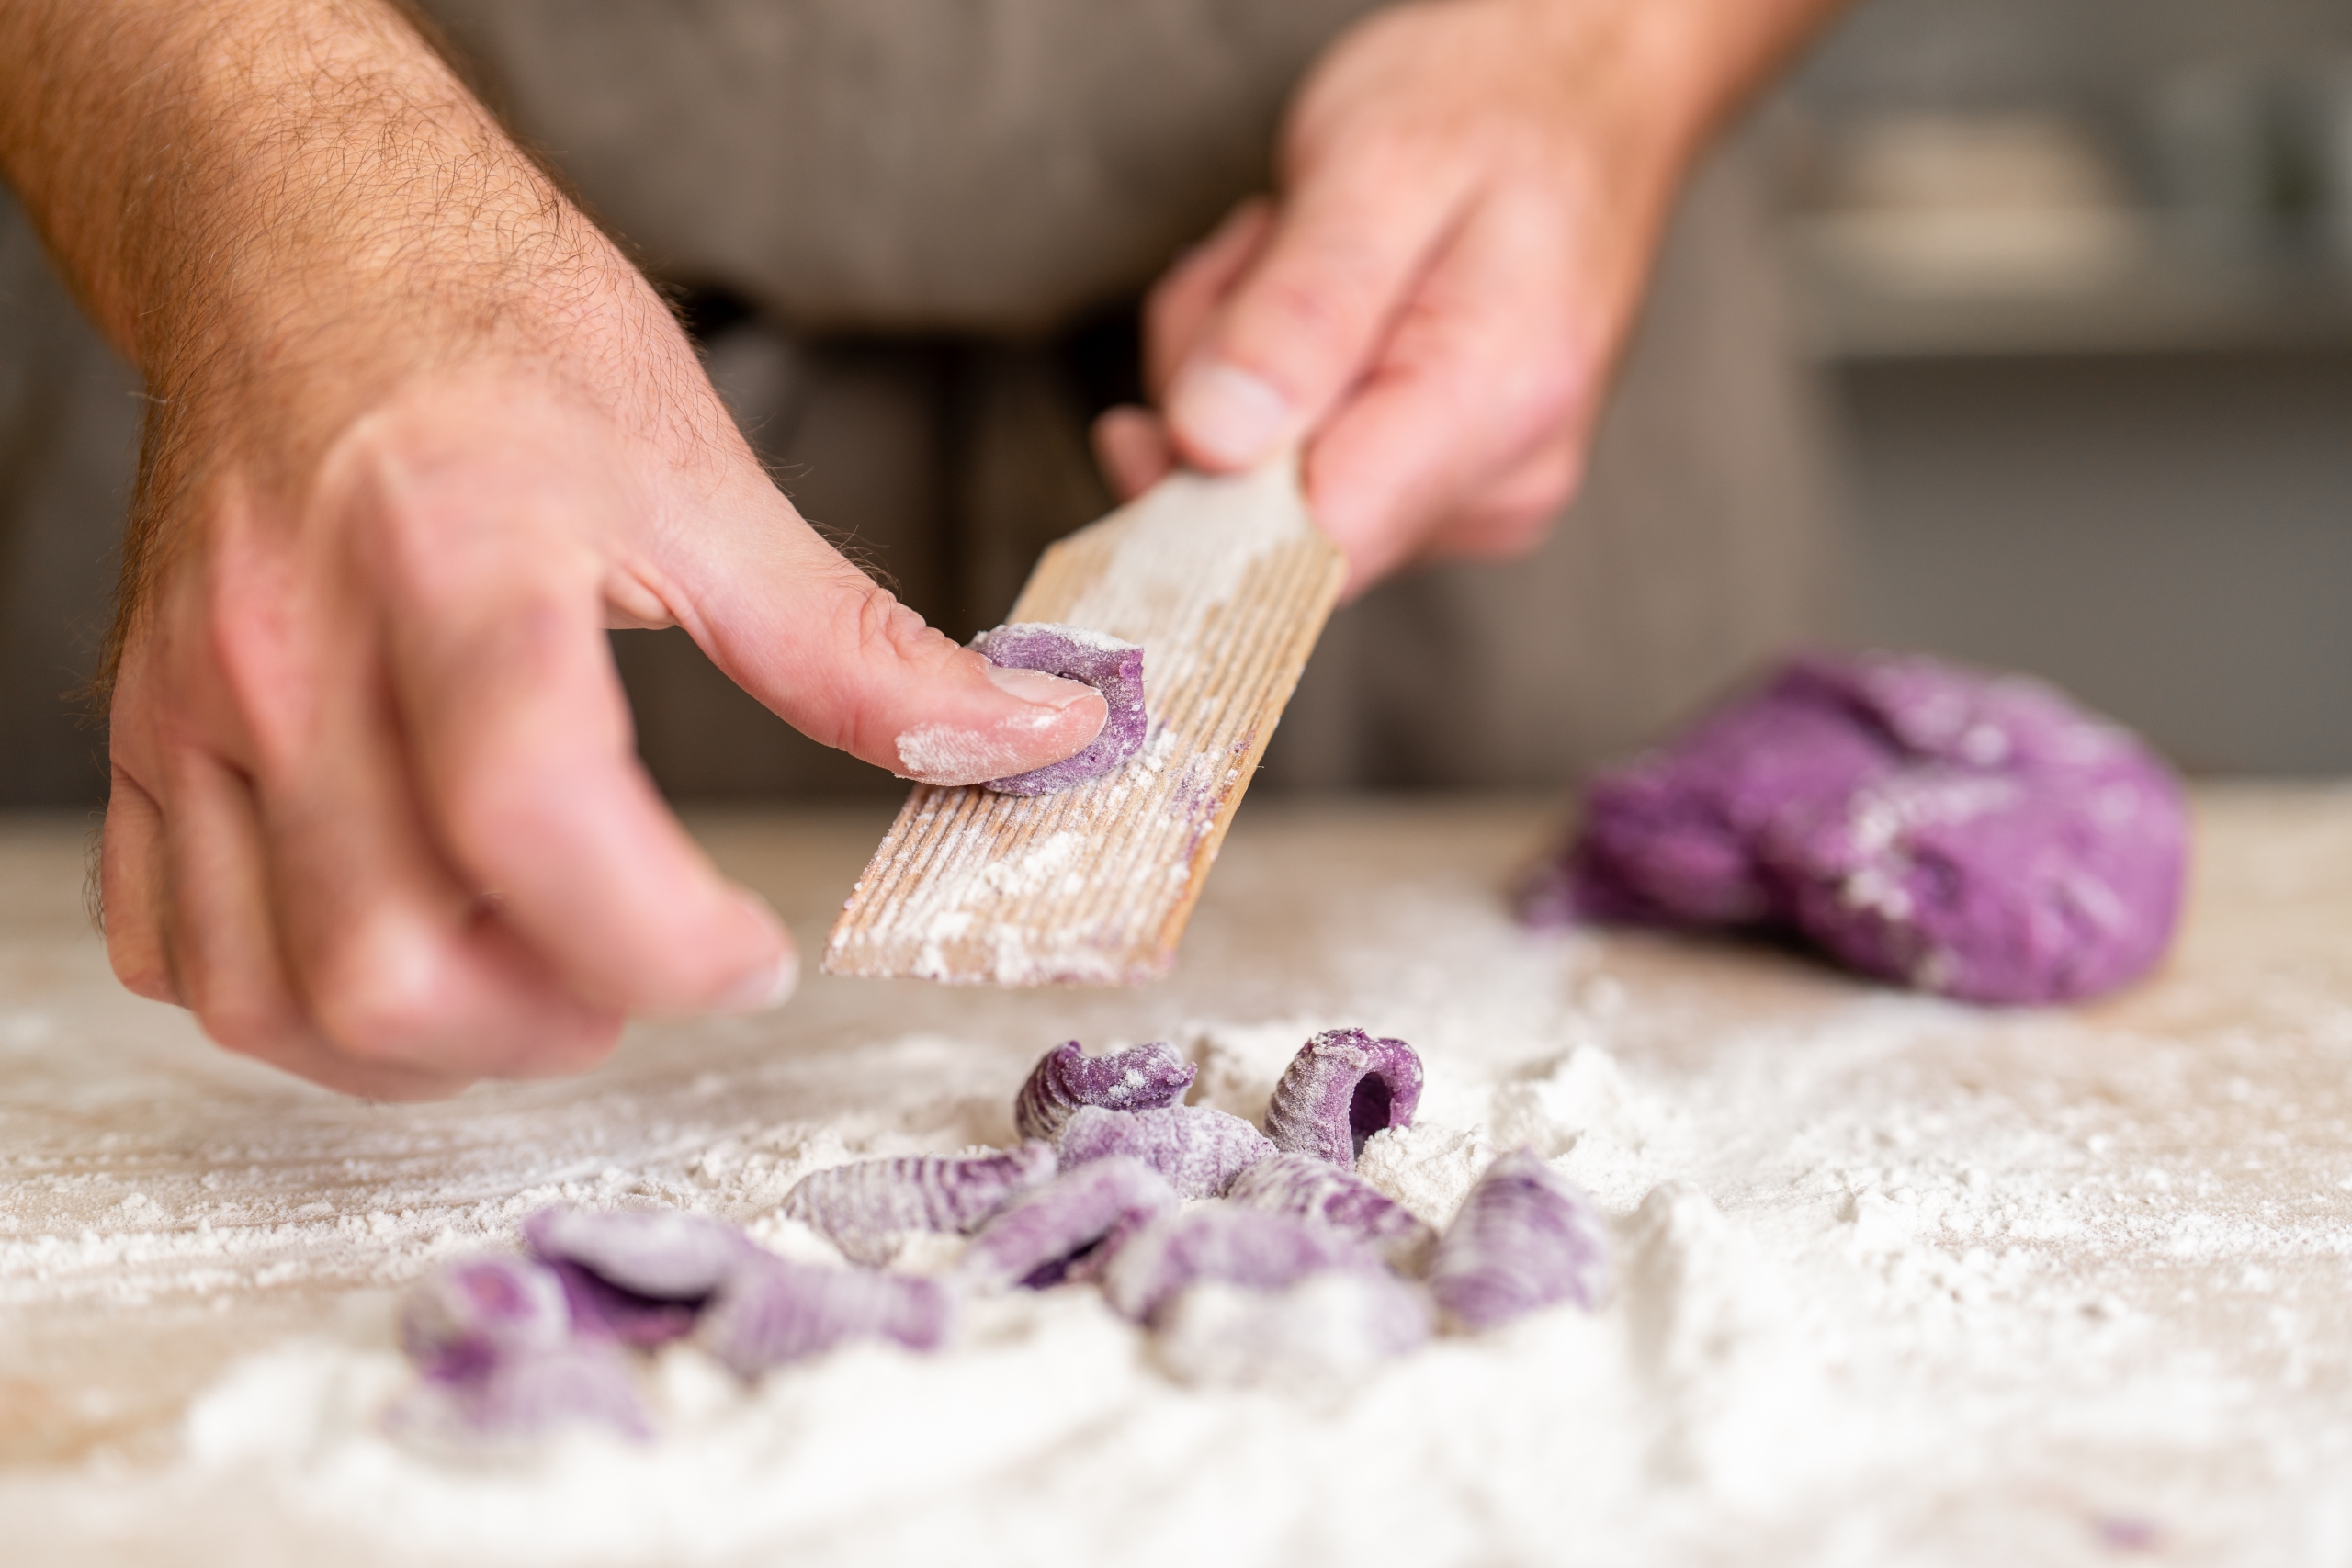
{"x": 916, "y": 196}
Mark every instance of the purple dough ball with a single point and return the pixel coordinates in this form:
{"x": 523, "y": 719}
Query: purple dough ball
{"x": 1112, "y": 667}
{"x": 1973, "y": 835}
{"x": 1670, "y": 838}
{"x": 1342, "y": 1088}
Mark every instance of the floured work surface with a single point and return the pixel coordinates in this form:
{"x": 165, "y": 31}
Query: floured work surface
{"x": 1225, "y": 583}
{"x": 1902, "y": 1282}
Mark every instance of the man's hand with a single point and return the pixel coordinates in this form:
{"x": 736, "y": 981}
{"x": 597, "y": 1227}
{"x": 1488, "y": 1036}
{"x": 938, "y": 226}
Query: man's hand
{"x": 1471, "y": 191}
{"x": 420, "y": 435}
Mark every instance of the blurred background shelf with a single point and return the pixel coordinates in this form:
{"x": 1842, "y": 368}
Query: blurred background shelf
{"x": 2162, "y": 298}
{"x": 2078, "y": 275}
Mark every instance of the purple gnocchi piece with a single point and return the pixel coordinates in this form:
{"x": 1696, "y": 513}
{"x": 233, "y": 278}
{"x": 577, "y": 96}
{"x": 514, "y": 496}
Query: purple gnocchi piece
{"x": 526, "y": 1394}
{"x": 1219, "y": 1242}
{"x": 1525, "y": 1238}
{"x": 866, "y": 1207}
{"x": 1197, "y": 1150}
{"x": 774, "y": 1311}
{"x": 1342, "y": 1088}
{"x": 1337, "y": 1200}
{"x": 1970, "y": 834}
{"x": 1141, "y": 1077}
{"x": 1331, "y": 1326}
{"x": 1112, "y": 667}
{"x": 637, "y": 1275}
{"x": 492, "y": 1340}
{"x": 459, "y": 1319}
{"x": 1061, "y": 1230}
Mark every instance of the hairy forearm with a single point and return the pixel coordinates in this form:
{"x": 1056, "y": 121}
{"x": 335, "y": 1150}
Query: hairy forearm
{"x": 281, "y": 210}
{"x": 253, "y": 173}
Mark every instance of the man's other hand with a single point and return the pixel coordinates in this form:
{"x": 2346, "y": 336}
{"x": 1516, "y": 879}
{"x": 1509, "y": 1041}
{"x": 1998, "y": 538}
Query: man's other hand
{"x": 1470, "y": 192}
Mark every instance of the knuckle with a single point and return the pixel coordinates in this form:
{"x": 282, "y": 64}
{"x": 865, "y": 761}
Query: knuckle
{"x": 240, "y": 642}
{"x": 243, "y": 1021}
{"x": 135, "y": 951}
{"x": 377, "y": 995}
{"x": 1321, "y": 316}
{"x": 141, "y": 969}
{"x": 376, "y": 1024}
{"x": 879, "y": 628}
{"x": 1548, "y": 493}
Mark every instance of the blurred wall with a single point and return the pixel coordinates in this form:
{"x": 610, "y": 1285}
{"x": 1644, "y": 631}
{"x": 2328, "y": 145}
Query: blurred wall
{"x": 2136, "y": 480}
{"x": 1956, "y": 52}
{"x": 2168, "y": 535}
{"x": 69, "y": 431}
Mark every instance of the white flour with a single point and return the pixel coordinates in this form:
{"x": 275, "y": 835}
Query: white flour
{"x": 1901, "y": 1283}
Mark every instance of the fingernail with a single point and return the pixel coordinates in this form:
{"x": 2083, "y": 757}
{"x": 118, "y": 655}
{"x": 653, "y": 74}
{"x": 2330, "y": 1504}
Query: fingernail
{"x": 1037, "y": 686}
{"x": 763, "y": 990}
{"x": 1228, "y": 415}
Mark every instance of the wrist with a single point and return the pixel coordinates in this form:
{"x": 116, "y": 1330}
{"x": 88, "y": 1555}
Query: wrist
{"x": 1681, "y": 67}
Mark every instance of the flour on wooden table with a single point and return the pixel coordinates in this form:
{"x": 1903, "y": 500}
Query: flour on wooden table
{"x": 1900, "y": 1282}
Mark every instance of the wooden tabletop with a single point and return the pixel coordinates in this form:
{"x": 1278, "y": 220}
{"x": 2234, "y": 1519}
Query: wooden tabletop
{"x": 166, "y": 1209}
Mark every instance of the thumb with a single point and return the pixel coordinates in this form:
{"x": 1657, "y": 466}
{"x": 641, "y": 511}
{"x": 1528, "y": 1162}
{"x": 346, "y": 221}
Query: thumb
{"x": 837, "y": 657}
{"x": 1303, "y": 321}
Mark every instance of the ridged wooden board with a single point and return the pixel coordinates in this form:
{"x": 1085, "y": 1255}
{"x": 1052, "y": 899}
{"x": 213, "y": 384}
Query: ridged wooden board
{"x": 1227, "y": 584}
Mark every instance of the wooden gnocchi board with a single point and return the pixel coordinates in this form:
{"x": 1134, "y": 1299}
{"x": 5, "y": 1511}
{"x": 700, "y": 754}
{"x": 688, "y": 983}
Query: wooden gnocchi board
{"x": 1225, "y": 583}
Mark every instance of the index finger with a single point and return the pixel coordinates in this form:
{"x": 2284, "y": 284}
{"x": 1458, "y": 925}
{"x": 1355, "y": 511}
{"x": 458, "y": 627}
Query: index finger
{"x": 522, "y": 743}
{"x": 1308, "y": 318}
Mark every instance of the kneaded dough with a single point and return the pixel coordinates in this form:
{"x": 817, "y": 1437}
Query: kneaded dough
{"x": 1975, "y": 835}
{"x": 1112, "y": 667}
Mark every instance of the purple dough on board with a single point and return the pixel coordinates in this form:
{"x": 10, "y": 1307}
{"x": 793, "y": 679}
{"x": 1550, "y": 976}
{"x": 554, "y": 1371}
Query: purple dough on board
{"x": 1112, "y": 667}
{"x": 1525, "y": 1238}
{"x": 774, "y": 1311}
{"x": 1057, "y": 1232}
{"x": 866, "y": 1207}
{"x": 1973, "y": 835}
{"x": 1321, "y": 1193}
{"x": 1218, "y": 1241}
{"x": 1141, "y": 1077}
{"x": 1197, "y": 1150}
{"x": 1342, "y": 1088}
{"x": 637, "y": 1275}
